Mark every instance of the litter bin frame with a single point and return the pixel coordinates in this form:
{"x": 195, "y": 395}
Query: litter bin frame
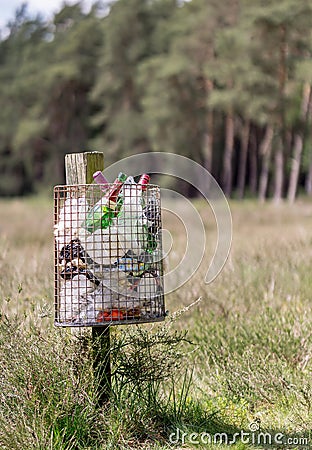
{"x": 148, "y": 273}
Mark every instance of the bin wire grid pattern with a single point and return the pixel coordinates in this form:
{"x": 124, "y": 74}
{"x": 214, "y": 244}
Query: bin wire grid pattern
{"x": 108, "y": 255}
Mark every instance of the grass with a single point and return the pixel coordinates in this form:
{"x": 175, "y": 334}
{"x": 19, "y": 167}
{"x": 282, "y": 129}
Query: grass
{"x": 246, "y": 357}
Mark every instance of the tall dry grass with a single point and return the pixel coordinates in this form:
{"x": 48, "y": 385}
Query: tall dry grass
{"x": 249, "y": 358}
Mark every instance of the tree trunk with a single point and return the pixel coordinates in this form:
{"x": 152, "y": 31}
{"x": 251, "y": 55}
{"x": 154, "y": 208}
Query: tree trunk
{"x": 282, "y": 78}
{"x": 253, "y": 168}
{"x": 295, "y": 166}
{"x": 243, "y": 159}
{"x": 206, "y": 152}
{"x": 298, "y": 146}
{"x": 281, "y": 141}
{"x": 228, "y": 153}
{"x": 265, "y": 152}
{"x": 308, "y": 181}
{"x": 208, "y": 142}
{"x": 278, "y": 172}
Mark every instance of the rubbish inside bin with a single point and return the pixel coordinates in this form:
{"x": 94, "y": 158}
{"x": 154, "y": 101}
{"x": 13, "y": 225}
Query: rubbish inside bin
{"x": 108, "y": 252}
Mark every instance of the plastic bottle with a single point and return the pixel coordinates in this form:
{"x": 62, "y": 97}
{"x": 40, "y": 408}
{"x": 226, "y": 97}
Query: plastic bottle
{"x": 150, "y": 241}
{"x": 134, "y": 226}
{"x": 103, "y": 212}
{"x": 144, "y": 180}
{"x": 129, "y": 227}
{"x": 150, "y": 217}
{"x": 100, "y": 179}
{"x": 120, "y": 199}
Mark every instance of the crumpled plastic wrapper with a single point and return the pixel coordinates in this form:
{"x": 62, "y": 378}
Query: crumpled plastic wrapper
{"x": 80, "y": 299}
{"x": 73, "y": 296}
{"x": 147, "y": 287}
{"x": 70, "y": 218}
{"x": 103, "y": 246}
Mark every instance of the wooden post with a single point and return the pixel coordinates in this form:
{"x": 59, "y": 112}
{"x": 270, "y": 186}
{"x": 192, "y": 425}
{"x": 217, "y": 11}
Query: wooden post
{"x": 101, "y": 363}
{"x": 79, "y": 168}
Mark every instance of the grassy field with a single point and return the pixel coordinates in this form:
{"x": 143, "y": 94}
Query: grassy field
{"x": 244, "y": 365}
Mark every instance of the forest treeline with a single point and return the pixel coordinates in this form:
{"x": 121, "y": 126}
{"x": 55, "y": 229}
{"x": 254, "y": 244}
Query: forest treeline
{"x": 226, "y": 83}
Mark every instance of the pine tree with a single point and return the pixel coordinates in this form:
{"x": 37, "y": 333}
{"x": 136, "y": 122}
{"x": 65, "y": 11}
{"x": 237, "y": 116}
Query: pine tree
{"x": 20, "y": 121}
{"x": 128, "y": 41}
{"x": 279, "y": 33}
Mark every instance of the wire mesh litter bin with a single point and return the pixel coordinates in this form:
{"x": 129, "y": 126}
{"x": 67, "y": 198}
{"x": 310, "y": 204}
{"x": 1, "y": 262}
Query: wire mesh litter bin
{"x": 108, "y": 254}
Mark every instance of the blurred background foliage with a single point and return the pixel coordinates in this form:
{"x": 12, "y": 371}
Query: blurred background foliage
{"x": 226, "y": 83}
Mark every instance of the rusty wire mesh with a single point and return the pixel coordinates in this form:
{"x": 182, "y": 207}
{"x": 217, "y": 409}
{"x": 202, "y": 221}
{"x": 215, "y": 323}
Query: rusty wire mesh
{"x": 108, "y": 262}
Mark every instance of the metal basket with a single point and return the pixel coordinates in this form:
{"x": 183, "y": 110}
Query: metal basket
{"x": 108, "y": 269}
